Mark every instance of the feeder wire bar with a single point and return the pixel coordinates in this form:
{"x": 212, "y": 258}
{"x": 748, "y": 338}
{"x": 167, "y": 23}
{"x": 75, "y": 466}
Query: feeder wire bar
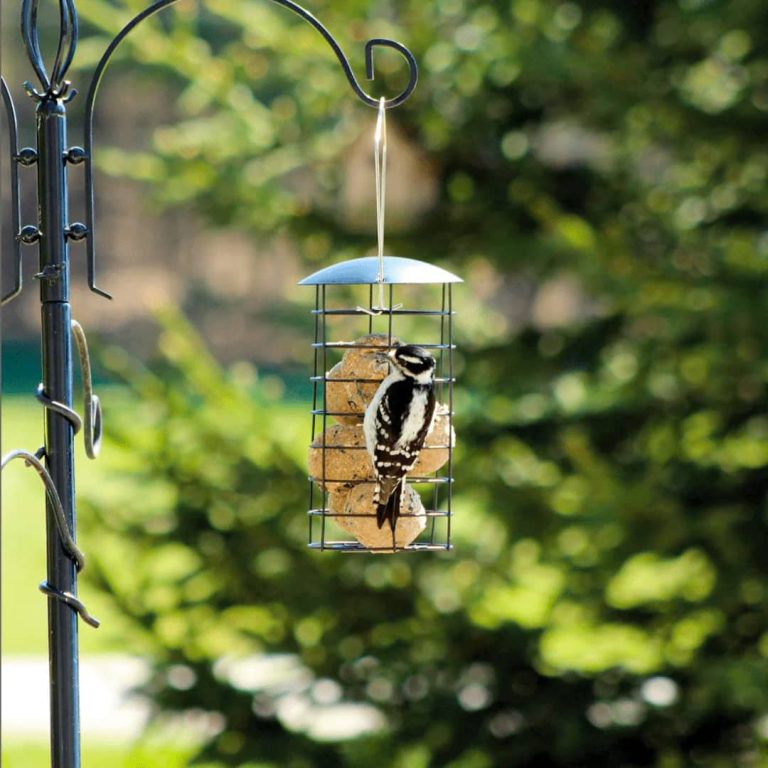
{"x": 325, "y": 420}
{"x": 315, "y": 380}
{"x": 451, "y": 379}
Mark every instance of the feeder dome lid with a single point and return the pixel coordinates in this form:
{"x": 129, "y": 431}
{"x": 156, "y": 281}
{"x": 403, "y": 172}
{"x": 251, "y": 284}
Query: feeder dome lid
{"x": 397, "y": 271}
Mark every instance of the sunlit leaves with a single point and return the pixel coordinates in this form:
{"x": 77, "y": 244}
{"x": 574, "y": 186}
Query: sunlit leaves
{"x": 647, "y": 579}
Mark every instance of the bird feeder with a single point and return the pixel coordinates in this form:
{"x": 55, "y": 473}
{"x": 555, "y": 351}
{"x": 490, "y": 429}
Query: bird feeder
{"x": 363, "y": 308}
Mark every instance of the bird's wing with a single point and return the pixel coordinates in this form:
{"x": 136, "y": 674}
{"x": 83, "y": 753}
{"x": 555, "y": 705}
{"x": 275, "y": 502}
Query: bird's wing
{"x": 428, "y": 420}
{"x": 388, "y": 459}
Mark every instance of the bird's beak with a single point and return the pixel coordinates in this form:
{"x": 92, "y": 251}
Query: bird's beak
{"x": 383, "y": 357}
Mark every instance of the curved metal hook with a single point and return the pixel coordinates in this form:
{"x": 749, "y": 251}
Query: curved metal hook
{"x": 30, "y": 459}
{"x": 10, "y": 112}
{"x": 369, "y": 72}
{"x": 72, "y": 601}
{"x": 92, "y": 404}
{"x": 53, "y": 86}
{"x": 307, "y": 16}
{"x": 72, "y": 416}
{"x": 90, "y": 98}
{"x": 74, "y": 554}
{"x": 369, "y": 46}
{"x": 158, "y": 6}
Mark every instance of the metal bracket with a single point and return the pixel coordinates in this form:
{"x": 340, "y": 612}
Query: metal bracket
{"x": 28, "y": 235}
{"x": 49, "y": 272}
{"x": 26, "y": 156}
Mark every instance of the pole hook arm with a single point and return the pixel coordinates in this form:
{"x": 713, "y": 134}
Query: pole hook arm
{"x": 91, "y": 402}
{"x": 74, "y": 554}
{"x": 10, "y": 113}
{"x": 33, "y": 460}
{"x": 158, "y": 6}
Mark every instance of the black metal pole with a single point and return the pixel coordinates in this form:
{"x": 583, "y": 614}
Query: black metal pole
{"x": 59, "y": 431}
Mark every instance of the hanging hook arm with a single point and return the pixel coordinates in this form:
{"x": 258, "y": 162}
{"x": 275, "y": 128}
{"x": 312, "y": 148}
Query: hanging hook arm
{"x": 30, "y": 459}
{"x": 74, "y": 554}
{"x": 88, "y": 138}
{"x": 369, "y": 46}
{"x": 91, "y": 404}
{"x": 10, "y": 112}
{"x": 158, "y": 6}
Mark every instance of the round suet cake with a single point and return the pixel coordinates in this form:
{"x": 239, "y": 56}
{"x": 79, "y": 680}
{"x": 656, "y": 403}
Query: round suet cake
{"x": 361, "y": 370}
{"x": 435, "y": 452}
{"x": 354, "y": 511}
{"x": 339, "y": 453}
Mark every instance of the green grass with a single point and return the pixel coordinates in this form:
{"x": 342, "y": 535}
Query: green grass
{"x": 35, "y": 755}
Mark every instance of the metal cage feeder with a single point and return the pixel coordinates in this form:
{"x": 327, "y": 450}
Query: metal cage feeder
{"x": 351, "y": 330}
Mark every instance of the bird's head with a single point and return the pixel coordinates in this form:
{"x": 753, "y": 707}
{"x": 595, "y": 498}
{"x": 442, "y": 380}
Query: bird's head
{"x": 413, "y": 361}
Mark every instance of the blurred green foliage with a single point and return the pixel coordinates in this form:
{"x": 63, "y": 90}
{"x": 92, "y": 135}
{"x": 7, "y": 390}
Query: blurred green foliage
{"x": 606, "y": 605}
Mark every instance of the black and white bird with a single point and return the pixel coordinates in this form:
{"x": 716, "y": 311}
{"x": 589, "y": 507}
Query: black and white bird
{"x": 396, "y": 424}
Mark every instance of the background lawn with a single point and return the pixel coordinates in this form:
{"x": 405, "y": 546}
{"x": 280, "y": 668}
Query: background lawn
{"x": 35, "y": 755}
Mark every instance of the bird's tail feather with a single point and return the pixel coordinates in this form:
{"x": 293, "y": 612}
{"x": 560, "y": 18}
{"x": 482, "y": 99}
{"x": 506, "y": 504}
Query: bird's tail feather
{"x": 390, "y": 510}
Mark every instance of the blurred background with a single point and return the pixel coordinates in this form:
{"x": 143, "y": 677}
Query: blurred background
{"x": 597, "y": 174}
